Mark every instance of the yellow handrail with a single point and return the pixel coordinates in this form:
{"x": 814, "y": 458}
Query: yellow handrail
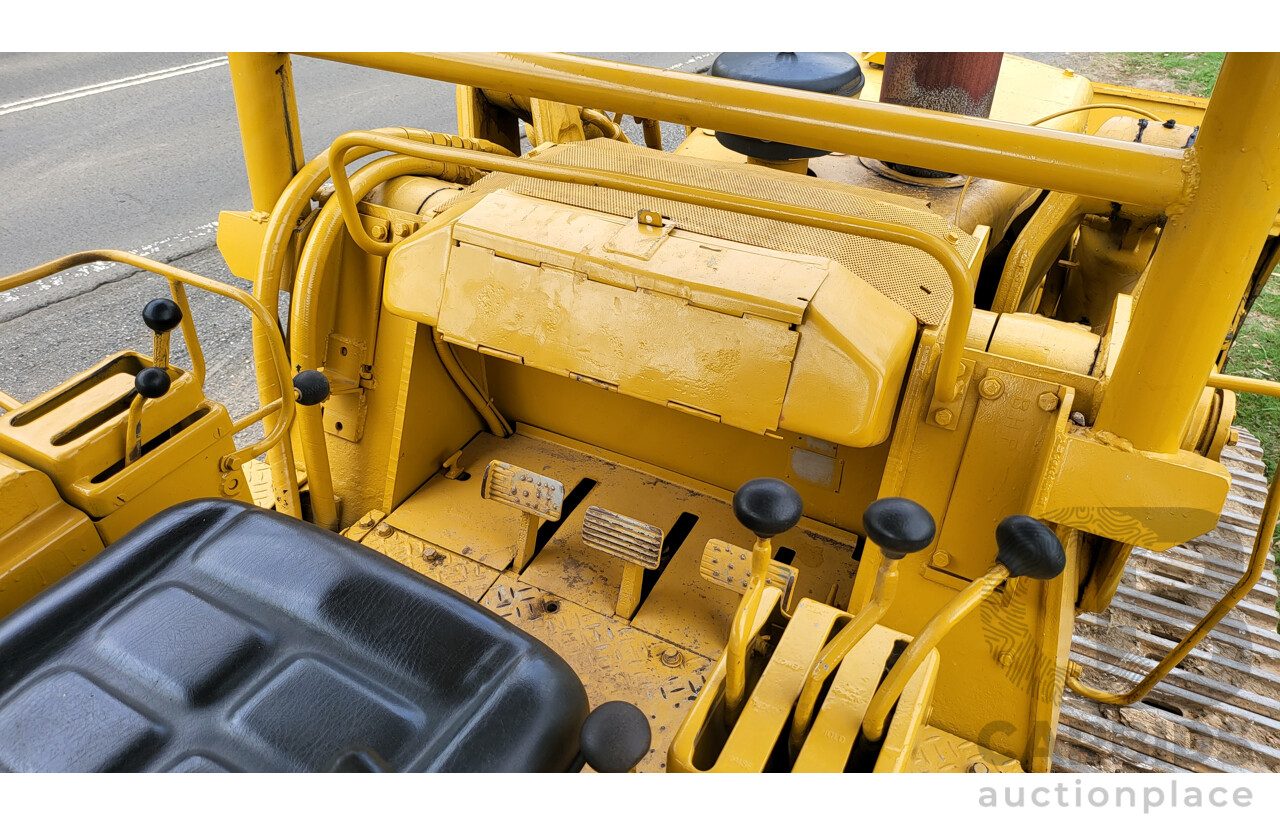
{"x": 179, "y": 276}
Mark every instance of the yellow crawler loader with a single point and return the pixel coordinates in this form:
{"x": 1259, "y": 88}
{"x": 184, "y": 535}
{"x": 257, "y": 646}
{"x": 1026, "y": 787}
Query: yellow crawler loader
{"x": 880, "y": 426}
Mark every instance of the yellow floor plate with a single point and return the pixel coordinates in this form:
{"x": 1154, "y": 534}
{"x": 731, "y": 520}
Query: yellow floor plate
{"x": 613, "y": 659}
{"x": 459, "y": 573}
{"x": 682, "y": 607}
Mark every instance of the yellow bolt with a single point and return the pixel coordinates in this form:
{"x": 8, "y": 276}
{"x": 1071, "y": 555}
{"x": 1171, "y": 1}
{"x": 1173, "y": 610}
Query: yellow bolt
{"x": 990, "y": 388}
{"x": 385, "y": 529}
{"x": 941, "y": 558}
{"x": 942, "y": 417}
{"x": 671, "y": 657}
{"x": 402, "y": 228}
{"x": 1006, "y": 659}
{"x": 1048, "y": 401}
{"x": 379, "y": 232}
{"x": 953, "y": 236}
{"x": 366, "y": 522}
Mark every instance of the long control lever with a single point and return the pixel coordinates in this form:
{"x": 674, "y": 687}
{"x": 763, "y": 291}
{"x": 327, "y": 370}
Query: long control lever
{"x": 161, "y": 316}
{"x": 899, "y": 527}
{"x": 1027, "y": 548}
{"x": 766, "y": 507}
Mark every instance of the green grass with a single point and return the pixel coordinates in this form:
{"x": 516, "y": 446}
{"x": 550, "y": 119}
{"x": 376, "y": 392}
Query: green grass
{"x": 1256, "y": 354}
{"x": 1193, "y": 73}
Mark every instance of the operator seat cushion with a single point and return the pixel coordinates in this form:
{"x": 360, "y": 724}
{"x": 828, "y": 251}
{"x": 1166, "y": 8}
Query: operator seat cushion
{"x": 218, "y": 636}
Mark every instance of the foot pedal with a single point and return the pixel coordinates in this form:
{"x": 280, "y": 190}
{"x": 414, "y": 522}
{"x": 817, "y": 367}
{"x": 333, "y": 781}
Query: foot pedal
{"x": 729, "y": 566}
{"x": 539, "y": 497}
{"x": 637, "y": 544}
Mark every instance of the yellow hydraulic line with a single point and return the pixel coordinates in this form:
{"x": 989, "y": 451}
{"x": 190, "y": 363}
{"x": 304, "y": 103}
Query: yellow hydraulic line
{"x": 944, "y": 253}
{"x": 279, "y": 359}
{"x": 1203, "y": 263}
{"x": 1082, "y": 164}
{"x": 482, "y": 404}
{"x": 288, "y": 210}
{"x": 605, "y": 125}
{"x": 886, "y": 587}
{"x": 873, "y": 723}
{"x": 325, "y": 232}
{"x": 1253, "y": 572}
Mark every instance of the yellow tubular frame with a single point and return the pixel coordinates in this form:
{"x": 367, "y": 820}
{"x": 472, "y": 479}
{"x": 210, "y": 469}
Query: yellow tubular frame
{"x": 1252, "y": 573}
{"x": 280, "y": 360}
{"x": 1082, "y": 164}
{"x": 945, "y": 254}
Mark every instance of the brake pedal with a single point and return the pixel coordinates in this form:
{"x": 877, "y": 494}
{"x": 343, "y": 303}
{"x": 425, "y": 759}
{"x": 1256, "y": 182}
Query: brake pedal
{"x": 540, "y": 498}
{"x": 637, "y": 544}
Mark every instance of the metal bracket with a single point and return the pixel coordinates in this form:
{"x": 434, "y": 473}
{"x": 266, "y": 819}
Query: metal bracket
{"x": 946, "y": 414}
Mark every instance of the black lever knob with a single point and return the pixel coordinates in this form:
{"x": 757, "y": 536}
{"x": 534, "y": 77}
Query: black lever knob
{"x": 1028, "y": 548}
{"x": 615, "y": 737}
{"x": 312, "y": 387}
{"x": 161, "y": 315}
{"x": 898, "y": 526}
{"x": 767, "y": 506}
{"x": 151, "y": 382}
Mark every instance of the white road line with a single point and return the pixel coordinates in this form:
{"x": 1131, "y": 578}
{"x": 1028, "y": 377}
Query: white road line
{"x": 693, "y": 59}
{"x": 109, "y": 86}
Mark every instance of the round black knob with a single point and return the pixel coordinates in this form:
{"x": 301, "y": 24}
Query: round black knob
{"x": 767, "y": 506}
{"x": 161, "y": 315}
{"x": 1028, "y": 548}
{"x": 312, "y": 387}
{"x": 151, "y": 382}
{"x": 615, "y": 737}
{"x": 898, "y": 526}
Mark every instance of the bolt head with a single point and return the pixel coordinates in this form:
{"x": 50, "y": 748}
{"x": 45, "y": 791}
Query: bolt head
{"x": 385, "y": 530}
{"x": 942, "y": 418}
{"x": 1078, "y": 418}
{"x": 1048, "y": 401}
{"x": 1006, "y": 659}
{"x": 953, "y": 236}
{"x": 671, "y": 657}
{"x": 990, "y": 388}
{"x": 940, "y": 558}
{"x": 379, "y": 232}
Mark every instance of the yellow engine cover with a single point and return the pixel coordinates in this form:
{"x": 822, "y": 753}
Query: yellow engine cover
{"x": 750, "y": 337}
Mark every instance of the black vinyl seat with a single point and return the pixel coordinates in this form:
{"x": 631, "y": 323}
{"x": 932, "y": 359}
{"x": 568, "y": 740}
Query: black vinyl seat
{"x": 219, "y": 636}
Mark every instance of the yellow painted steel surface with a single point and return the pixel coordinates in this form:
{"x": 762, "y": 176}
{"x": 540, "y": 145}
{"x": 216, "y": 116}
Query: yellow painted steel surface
{"x": 1203, "y": 263}
{"x": 1075, "y": 163}
{"x": 658, "y": 330}
{"x": 563, "y": 290}
{"x": 42, "y": 538}
{"x": 1105, "y": 487}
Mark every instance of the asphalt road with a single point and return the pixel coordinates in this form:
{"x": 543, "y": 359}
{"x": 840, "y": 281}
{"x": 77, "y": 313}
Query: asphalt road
{"x": 140, "y": 152}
